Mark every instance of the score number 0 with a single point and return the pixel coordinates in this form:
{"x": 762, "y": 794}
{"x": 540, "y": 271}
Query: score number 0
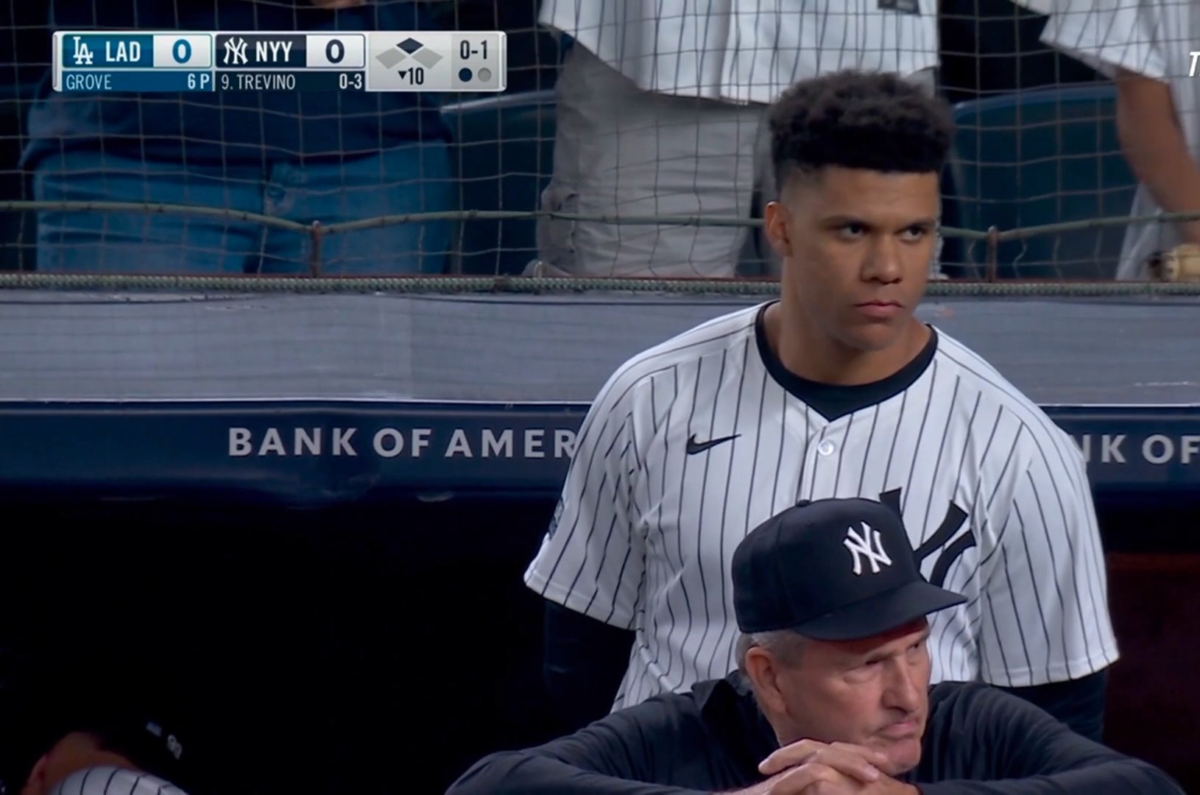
{"x": 335, "y": 51}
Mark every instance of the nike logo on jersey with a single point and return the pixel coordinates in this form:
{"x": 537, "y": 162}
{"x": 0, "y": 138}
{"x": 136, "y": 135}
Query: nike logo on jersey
{"x": 694, "y": 447}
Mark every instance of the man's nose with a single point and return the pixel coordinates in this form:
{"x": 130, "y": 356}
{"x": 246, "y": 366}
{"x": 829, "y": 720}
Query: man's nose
{"x": 883, "y": 260}
{"x": 904, "y": 685}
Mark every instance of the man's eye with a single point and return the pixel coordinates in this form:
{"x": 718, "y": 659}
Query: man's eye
{"x": 853, "y": 230}
{"x": 914, "y": 233}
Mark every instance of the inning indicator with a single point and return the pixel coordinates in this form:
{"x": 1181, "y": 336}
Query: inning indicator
{"x": 182, "y": 61}
{"x": 437, "y": 61}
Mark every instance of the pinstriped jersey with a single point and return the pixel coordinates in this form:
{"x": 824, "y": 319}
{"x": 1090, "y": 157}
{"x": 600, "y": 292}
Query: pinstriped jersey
{"x": 110, "y": 780}
{"x": 693, "y": 443}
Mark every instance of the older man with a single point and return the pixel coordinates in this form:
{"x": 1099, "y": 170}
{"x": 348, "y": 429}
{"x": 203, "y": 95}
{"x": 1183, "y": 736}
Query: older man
{"x": 831, "y": 694}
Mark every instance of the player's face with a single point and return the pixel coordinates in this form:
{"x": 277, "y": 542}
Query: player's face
{"x": 857, "y": 247}
{"x": 872, "y": 692}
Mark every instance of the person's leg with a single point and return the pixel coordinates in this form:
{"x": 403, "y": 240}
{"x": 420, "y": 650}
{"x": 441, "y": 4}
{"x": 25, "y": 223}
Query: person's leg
{"x": 407, "y": 179}
{"x": 142, "y": 242}
{"x": 621, "y": 151}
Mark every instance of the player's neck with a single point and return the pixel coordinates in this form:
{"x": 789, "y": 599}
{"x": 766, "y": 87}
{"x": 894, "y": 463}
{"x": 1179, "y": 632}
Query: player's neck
{"x": 816, "y": 357}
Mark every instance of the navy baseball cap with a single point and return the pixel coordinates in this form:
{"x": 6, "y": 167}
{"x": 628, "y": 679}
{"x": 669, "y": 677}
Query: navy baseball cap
{"x": 835, "y": 569}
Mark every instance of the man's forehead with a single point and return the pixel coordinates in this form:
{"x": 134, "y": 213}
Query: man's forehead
{"x": 843, "y": 190}
{"x": 864, "y": 646}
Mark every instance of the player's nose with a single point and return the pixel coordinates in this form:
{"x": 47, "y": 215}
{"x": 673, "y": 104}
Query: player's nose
{"x": 902, "y": 691}
{"x": 884, "y": 261}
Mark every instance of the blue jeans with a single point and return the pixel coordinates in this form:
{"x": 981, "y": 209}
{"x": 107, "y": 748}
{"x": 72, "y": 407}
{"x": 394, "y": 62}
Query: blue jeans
{"x": 406, "y": 179}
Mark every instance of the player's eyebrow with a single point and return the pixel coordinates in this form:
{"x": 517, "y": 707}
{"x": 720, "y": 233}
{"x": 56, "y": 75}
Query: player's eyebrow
{"x": 834, "y": 221}
{"x": 845, "y": 220}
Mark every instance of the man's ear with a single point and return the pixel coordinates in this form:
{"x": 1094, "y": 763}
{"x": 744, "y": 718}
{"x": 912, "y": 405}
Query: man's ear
{"x": 764, "y": 672}
{"x": 775, "y": 223}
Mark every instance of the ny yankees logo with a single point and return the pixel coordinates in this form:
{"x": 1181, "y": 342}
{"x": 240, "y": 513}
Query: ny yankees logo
{"x": 952, "y": 522}
{"x": 235, "y": 51}
{"x": 867, "y": 545}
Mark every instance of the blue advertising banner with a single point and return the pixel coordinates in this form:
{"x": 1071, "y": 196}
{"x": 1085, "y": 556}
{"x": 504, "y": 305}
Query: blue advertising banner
{"x": 321, "y": 453}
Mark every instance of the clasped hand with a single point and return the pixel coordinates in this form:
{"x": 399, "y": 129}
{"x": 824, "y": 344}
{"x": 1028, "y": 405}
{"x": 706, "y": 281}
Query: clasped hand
{"x": 809, "y": 767}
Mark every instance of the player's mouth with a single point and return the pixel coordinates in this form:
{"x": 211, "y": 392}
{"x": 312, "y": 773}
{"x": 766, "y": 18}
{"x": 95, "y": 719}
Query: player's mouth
{"x": 900, "y": 730}
{"x": 879, "y": 310}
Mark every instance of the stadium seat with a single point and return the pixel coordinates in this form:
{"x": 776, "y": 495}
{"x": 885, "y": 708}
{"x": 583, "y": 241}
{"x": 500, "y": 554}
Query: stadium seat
{"x": 1039, "y": 157}
{"x": 502, "y": 153}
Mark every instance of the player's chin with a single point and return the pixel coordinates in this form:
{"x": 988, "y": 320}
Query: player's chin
{"x": 872, "y": 336}
{"x": 903, "y": 755}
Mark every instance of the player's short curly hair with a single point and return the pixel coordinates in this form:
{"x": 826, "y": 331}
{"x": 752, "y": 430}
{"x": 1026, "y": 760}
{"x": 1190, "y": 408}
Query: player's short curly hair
{"x": 862, "y": 120}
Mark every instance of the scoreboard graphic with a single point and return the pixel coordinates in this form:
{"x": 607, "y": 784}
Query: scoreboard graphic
{"x": 185, "y": 61}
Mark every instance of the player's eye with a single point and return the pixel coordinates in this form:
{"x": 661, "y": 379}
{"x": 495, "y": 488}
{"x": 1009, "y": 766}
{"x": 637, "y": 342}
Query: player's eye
{"x": 852, "y": 230}
{"x": 914, "y": 233}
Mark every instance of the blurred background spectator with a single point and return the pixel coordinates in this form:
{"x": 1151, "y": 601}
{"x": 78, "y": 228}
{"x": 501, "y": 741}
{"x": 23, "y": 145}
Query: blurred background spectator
{"x": 302, "y": 156}
{"x": 661, "y": 111}
{"x": 1146, "y": 48}
{"x": 992, "y": 47}
{"x": 987, "y": 47}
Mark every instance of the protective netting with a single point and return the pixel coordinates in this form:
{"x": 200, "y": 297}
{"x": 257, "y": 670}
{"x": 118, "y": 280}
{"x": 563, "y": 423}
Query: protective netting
{"x": 629, "y": 142}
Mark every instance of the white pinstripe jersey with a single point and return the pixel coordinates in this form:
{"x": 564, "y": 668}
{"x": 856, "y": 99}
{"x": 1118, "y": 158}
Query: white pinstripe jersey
{"x": 747, "y": 50}
{"x": 994, "y": 495}
{"x": 110, "y": 780}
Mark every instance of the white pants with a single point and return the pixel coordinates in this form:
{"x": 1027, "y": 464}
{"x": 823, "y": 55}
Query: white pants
{"x": 623, "y": 151}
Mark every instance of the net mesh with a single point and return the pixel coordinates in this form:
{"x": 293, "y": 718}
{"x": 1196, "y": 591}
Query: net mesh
{"x": 575, "y": 171}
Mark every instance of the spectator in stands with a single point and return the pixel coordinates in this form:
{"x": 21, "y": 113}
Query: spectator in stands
{"x": 1146, "y": 47}
{"x": 316, "y": 156}
{"x": 831, "y": 694}
{"x": 661, "y": 110}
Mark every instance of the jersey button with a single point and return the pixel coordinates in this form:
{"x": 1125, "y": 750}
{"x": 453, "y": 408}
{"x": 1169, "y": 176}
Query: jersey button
{"x": 826, "y": 447}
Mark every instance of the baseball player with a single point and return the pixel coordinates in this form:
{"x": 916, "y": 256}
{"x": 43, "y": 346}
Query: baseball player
{"x": 834, "y": 390}
{"x": 1146, "y": 47}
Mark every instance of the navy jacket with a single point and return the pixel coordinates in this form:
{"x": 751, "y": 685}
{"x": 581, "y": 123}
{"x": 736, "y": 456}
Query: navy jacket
{"x": 978, "y": 741}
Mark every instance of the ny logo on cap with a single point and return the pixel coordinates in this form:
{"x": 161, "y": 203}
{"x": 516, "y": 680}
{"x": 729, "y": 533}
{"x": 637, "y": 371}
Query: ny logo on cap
{"x": 867, "y": 545}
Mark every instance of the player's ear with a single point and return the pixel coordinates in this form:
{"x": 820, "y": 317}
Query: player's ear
{"x": 775, "y": 222}
{"x": 763, "y": 670}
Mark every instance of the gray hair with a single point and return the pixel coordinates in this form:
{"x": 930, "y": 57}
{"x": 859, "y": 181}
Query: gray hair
{"x": 785, "y": 645}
